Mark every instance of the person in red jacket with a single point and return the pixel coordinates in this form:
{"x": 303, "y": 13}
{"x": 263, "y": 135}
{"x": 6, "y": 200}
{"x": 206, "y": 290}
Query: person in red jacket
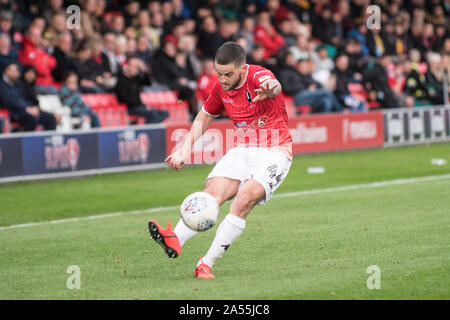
{"x": 34, "y": 55}
{"x": 266, "y": 34}
{"x": 206, "y": 81}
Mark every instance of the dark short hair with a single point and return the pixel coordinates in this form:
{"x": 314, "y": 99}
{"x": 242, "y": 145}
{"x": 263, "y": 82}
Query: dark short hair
{"x": 230, "y": 52}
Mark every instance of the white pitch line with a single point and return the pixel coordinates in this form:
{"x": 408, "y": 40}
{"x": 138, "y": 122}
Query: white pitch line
{"x": 281, "y": 195}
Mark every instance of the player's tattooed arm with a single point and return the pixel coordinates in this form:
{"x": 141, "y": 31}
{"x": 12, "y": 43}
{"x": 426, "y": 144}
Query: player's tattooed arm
{"x": 269, "y": 89}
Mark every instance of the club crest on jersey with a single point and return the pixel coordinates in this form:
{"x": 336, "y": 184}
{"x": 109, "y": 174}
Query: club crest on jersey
{"x": 261, "y": 121}
{"x": 249, "y": 97}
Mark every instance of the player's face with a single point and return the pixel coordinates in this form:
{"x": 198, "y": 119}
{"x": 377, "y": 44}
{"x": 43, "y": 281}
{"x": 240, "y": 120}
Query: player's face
{"x": 230, "y": 75}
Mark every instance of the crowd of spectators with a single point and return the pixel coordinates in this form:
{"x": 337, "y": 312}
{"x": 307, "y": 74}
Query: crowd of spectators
{"x": 315, "y": 48}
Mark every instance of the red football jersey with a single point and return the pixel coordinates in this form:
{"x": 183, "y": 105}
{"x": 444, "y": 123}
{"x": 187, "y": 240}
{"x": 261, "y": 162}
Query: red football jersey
{"x": 256, "y": 124}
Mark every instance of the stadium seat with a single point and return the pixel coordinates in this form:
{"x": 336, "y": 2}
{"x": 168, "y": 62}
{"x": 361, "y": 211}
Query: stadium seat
{"x": 290, "y": 107}
{"x": 167, "y": 100}
{"x": 11, "y": 126}
{"x": 4, "y": 121}
{"x": 302, "y": 110}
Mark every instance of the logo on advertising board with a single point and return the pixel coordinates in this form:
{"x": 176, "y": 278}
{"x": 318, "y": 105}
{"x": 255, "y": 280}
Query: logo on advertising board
{"x": 60, "y": 155}
{"x": 358, "y": 130}
{"x": 0, "y": 157}
{"x": 133, "y": 148}
{"x": 311, "y": 134}
{"x": 416, "y": 126}
{"x": 437, "y": 123}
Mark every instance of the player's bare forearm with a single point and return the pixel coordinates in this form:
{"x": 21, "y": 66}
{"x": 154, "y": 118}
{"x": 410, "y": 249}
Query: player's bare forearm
{"x": 178, "y": 157}
{"x": 199, "y": 126}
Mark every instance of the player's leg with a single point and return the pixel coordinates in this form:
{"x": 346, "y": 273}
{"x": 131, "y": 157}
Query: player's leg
{"x": 222, "y": 189}
{"x": 231, "y": 228}
{"x": 268, "y": 170}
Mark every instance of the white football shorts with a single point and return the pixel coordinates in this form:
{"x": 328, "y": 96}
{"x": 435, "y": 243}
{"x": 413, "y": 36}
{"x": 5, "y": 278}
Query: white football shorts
{"x": 267, "y": 167}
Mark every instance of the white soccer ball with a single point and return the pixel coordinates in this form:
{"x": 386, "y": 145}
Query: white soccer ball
{"x": 199, "y": 211}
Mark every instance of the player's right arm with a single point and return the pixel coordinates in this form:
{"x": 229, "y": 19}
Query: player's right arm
{"x": 178, "y": 157}
{"x": 212, "y": 108}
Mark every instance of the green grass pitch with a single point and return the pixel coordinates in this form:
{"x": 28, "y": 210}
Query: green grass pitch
{"x": 305, "y": 246}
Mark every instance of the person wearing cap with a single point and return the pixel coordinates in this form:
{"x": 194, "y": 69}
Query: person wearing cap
{"x": 20, "y": 108}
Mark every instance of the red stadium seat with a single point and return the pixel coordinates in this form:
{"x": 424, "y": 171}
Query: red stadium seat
{"x": 4, "y": 119}
{"x": 302, "y": 110}
{"x": 290, "y": 107}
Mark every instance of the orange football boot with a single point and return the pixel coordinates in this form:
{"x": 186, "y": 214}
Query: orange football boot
{"x": 166, "y": 238}
{"x": 203, "y": 271}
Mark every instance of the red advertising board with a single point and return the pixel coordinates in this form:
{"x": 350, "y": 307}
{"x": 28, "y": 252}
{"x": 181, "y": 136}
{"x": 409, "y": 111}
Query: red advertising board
{"x": 314, "y": 133}
{"x": 331, "y": 132}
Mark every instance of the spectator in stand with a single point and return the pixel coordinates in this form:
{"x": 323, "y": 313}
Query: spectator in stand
{"x": 187, "y": 44}
{"x": 415, "y": 37}
{"x": 247, "y": 31}
{"x": 28, "y": 83}
{"x": 165, "y": 68}
{"x": 441, "y": 34}
{"x": 342, "y": 77}
{"x": 6, "y": 24}
{"x": 156, "y": 30}
{"x": 90, "y": 25}
{"x": 256, "y": 56}
{"x": 107, "y": 54}
{"x": 376, "y": 84}
{"x": 206, "y": 80}
{"x": 120, "y": 49}
{"x": 33, "y": 54}
{"x": 288, "y": 32}
{"x": 142, "y": 24}
{"x": 401, "y": 47}
{"x": 86, "y": 69}
{"x": 434, "y": 78}
{"x": 131, "y": 12}
{"x": 266, "y": 34}
{"x": 128, "y": 91}
{"x": 118, "y": 24}
{"x": 62, "y": 54}
{"x": 228, "y": 29}
{"x": 306, "y": 91}
{"x": 360, "y": 34}
{"x": 104, "y": 78}
{"x": 57, "y": 26}
{"x": 52, "y": 7}
{"x": 7, "y": 55}
{"x": 301, "y": 49}
{"x": 428, "y": 37}
{"x": 143, "y": 50}
{"x": 21, "y": 110}
{"x": 323, "y": 65}
{"x": 325, "y": 27}
{"x": 209, "y": 38}
{"x": 375, "y": 43}
{"x": 387, "y": 33}
{"x": 415, "y": 85}
{"x": 356, "y": 59}
{"x": 70, "y": 95}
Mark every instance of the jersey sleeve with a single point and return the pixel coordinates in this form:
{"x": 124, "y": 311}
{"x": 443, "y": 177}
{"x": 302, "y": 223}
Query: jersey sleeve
{"x": 213, "y": 106}
{"x": 261, "y": 76}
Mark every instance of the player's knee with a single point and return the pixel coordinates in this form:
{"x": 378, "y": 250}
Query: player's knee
{"x": 215, "y": 192}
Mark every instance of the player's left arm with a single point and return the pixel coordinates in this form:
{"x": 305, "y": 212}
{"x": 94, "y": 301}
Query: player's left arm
{"x": 268, "y": 89}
